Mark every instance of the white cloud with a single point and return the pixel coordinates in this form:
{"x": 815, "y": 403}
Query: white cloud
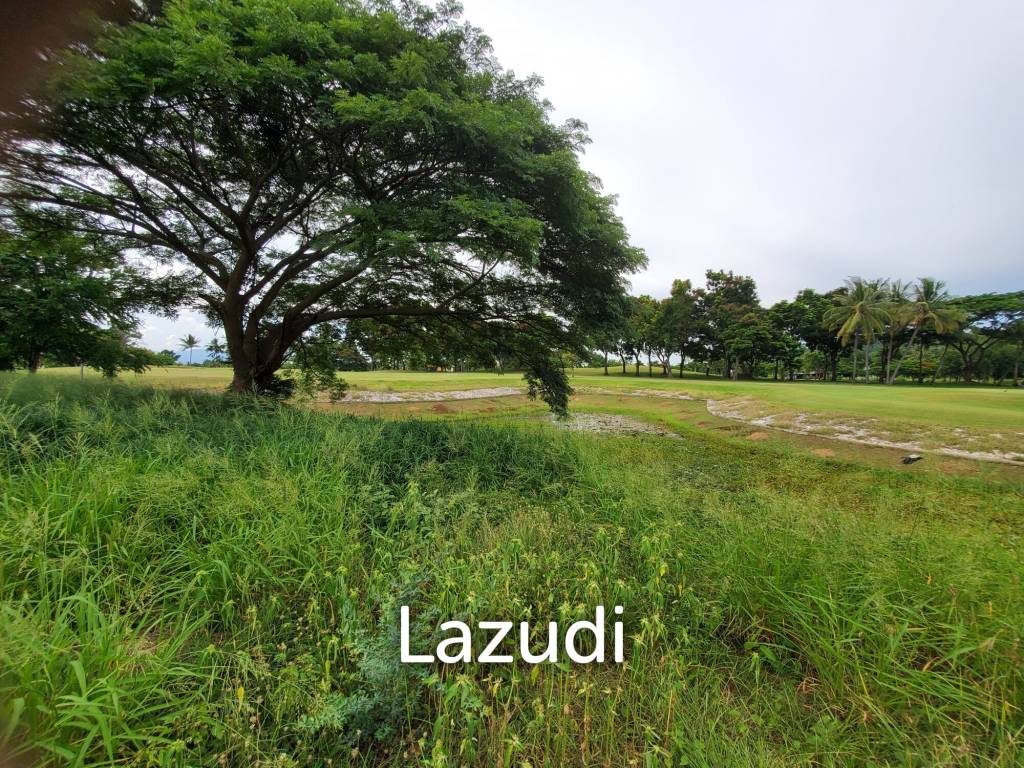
{"x": 164, "y": 333}
{"x": 797, "y": 141}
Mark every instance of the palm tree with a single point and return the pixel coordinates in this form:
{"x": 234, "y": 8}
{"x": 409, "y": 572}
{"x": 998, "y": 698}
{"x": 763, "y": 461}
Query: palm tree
{"x": 928, "y": 310}
{"x": 188, "y": 342}
{"x": 898, "y": 297}
{"x": 216, "y": 349}
{"x": 862, "y": 314}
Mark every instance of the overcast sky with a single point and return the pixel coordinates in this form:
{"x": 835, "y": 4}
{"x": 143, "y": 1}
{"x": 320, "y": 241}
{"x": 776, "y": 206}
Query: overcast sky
{"x": 798, "y": 141}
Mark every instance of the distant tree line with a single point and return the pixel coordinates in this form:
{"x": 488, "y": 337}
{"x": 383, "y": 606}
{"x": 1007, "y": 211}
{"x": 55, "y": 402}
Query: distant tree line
{"x": 865, "y": 330}
{"x": 70, "y": 297}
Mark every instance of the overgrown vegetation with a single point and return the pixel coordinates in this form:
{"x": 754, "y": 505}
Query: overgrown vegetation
{"x": 193, "y": 580}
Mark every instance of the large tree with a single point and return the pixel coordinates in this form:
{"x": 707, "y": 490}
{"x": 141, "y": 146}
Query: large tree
{"x": 863, "y": 312}
{"x": 900, "y": 318}
{"x": 928, "y": 309}
{"x": 680, "y": 321}
{"x": 317, "y": 161}
{"x": 69, "y": 297}
{"x": 785, "y": 349}
{"x": 645, "y": 322}
{"x": 1015, "y": 335}
{"x": 988, "y": 316}
{"x": 749, "y": 340}
{"x": 727, "y": 301}
{"x": 634, "y": 327}
{"x": 807, "y": 312}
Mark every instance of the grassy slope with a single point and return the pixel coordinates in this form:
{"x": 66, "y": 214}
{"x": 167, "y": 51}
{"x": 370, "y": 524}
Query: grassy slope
{"x": 182, "y": 581}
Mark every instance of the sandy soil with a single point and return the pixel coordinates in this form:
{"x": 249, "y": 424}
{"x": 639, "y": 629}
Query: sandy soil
{"x": 613, "y": 424}
{"x": 666, "y": 394}
{"x": 863, "y": 432}
{"x": 378, "y": 396}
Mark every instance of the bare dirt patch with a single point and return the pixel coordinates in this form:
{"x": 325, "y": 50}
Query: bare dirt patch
{"x": 958, "y": 442}
{"x": 378, "y": 396}
{"x": 758, "y": 436}
{"x": 666, "y": 394}
{"x": 608, "y": 423}
{"x": 825, "y": 453}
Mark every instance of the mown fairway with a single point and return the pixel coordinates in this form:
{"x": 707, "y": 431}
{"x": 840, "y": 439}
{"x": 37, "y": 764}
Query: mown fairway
{"x": 191, "y": 581}
{"x": 955, "y": 406}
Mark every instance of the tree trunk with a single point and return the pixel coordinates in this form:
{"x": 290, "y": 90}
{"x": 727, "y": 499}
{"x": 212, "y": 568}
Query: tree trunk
{"x": 1016, "y": 363}
{"x": 899, "y": 362}
{"x": 920, "y": 362}
{"x": 938, "y": 365}
{"x": 606, "y": 362}
{"x": 248, "y": 378}
{"x": 888, "y": 356}
{"x": 34, "y": 358}
{"x": 682, "y": 362}
{"x": 853, "y": 370}
{"x": 650, "y": 368}
{"x": 253, "y": 376}
{"x": 623, "y": 361}
{"x": 256, "y": 358}
{"x": 867, "y": 361}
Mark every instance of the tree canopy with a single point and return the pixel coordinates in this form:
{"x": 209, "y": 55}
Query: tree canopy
{"x": 315, "y": 161}
{"x": 70, "y": 297}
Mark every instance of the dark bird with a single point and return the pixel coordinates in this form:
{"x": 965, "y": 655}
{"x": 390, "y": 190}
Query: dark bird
{"x": 912, "y": 458}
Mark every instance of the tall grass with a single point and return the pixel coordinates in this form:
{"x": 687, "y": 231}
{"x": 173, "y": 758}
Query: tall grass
{"x": 192, "y": 580}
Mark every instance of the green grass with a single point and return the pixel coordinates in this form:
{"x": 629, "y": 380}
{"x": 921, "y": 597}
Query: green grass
{"x": 187, "y": 580}
{"x": 984, "y": 407}
{"x": 980, "y": 407}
